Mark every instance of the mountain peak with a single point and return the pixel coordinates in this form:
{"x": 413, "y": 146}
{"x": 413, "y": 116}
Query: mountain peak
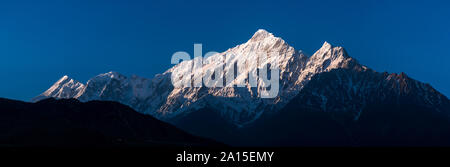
{"x": 64, "y": 78}
{"x": 261, "y": 34}
{"x": 65, "y": 87}
{"x": 326, "y": 46}
{"x": 262, "y": 31}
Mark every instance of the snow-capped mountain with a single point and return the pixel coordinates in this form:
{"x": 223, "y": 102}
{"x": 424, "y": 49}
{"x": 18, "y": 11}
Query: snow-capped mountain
{"x": 112, "y": 86}
{"x": 238, "y": 105}
{"x": 241, "y": 104}
{"x": 63, "y": 88}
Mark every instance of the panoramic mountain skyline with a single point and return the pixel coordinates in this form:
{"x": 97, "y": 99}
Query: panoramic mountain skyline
{"x": 158, "y": 97}
{"x": 224, "y": 83}
{"x": 329, "y": 87}
{"x": 44, "y": 41}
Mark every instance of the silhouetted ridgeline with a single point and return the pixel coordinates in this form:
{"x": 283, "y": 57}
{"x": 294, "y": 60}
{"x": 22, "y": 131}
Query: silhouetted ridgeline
{"x": 67, "y": 123}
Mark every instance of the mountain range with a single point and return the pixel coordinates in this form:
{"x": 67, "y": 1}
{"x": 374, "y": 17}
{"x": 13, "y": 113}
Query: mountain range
{"x": 328, "y": 98}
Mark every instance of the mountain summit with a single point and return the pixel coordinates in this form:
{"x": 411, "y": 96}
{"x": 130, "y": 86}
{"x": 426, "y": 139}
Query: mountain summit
{"x": 261, "y": 34}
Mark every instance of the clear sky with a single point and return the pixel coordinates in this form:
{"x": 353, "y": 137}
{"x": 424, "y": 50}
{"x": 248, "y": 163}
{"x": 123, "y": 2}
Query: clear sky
{"x": 40, "y": 41}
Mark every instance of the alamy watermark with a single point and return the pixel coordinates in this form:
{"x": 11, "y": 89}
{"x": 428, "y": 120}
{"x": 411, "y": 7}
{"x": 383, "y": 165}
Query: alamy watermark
{"x": 215, "y": 70}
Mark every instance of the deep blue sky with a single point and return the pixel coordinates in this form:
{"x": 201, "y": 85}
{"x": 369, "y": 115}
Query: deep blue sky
{"x": 40, "y": 41}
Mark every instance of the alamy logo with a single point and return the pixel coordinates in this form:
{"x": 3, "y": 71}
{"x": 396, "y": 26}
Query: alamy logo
{"x": 214, "y": 70}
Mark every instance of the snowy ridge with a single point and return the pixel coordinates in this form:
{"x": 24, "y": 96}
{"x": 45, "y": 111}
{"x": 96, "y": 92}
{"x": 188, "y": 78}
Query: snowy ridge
{"x": 63, "y": 88}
